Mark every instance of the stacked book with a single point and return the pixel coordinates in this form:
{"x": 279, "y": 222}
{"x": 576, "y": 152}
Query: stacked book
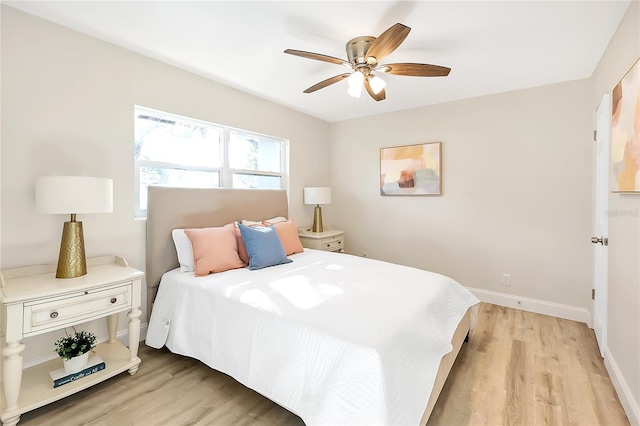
{"x": 60, "y": 377}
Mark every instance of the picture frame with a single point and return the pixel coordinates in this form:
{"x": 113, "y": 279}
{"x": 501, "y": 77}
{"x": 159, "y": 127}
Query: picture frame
{"x": 625, "y": 133}
{"x": 411, "y": 169}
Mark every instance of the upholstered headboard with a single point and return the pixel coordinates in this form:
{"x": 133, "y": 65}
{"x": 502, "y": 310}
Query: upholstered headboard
{"x": 169, "y": 208}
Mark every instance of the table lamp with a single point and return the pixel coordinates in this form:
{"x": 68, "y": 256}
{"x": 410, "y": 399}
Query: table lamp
{"x": 317, "y": 196}
{"x": 73, "y": 195}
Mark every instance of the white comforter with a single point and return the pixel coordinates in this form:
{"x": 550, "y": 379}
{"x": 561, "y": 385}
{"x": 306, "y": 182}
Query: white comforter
{"x": 334, "y": 338}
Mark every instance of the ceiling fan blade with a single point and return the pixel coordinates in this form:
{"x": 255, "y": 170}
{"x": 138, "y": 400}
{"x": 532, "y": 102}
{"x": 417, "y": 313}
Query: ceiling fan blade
{"x": 415, "y": 70}
{"x": 317, "y": 57}
{"x": 379, "y": 97}
{"x": 388, "y": 41}
{"x": 327, "y": 82}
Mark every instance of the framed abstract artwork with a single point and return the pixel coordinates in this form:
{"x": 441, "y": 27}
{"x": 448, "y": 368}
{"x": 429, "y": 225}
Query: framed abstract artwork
{"x": 625, "y": 133}
{"x": 411, "y": 169}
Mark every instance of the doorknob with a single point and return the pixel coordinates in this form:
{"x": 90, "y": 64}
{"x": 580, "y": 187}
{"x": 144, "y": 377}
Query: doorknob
{"x": 600, "y": 240}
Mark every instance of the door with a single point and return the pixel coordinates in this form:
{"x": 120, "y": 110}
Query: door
{"x": 601, "y": 222}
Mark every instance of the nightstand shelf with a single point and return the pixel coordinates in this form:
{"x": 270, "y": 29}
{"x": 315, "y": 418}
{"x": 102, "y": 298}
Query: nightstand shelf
{"x": 329, "y": 240}
{"x": 38, "y": 383}
{"x": 35, "y": 302}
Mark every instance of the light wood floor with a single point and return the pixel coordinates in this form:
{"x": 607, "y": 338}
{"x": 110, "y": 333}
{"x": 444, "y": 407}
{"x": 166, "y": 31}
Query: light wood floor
{"x": 518, "y": 368}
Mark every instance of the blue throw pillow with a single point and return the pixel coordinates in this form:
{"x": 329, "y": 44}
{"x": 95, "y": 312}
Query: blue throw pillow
{"x": 263, "y": 247}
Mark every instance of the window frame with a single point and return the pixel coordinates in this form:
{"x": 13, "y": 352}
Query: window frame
{"x": 225, "y": 173}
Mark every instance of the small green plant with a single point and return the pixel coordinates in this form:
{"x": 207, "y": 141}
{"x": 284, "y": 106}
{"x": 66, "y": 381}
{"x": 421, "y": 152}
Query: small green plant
{"x": 75, "y": 345}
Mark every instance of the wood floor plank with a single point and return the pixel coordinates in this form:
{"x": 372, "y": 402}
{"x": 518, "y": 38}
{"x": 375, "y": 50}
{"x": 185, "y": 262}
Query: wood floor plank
{"x": 516, "y": 410}
{"x": 606, "y": 400}
{"x": 491, "y": 390}
{"x": 517, "y": 368}
{"x": 549, "y": 405}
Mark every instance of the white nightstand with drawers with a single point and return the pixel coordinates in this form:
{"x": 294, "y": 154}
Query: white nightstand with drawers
{"x": 329, "y": 240}
{"x": 35, "y": 302}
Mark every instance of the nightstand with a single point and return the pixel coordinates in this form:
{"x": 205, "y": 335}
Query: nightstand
{"x": 35, "y": 302}
{"x": 329, "y": 240}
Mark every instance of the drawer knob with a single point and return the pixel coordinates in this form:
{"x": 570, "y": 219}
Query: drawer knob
{"x": 114, "y": 300}
{"x": 53, "y": 314}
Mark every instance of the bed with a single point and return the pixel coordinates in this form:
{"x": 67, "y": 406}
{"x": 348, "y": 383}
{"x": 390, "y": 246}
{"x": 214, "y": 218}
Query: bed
{"x": 334, "y": 338}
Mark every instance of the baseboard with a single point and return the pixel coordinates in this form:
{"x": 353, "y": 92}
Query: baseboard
{"x": 629, "y": 404}
{"x": 122, "y": 336}
{"x": 572, "y": 313}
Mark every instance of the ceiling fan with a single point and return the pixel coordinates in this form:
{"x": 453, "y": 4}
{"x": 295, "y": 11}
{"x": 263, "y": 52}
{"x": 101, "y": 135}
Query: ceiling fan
{"x": 364, "y": 55}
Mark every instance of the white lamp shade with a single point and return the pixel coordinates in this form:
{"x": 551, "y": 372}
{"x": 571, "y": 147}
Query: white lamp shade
{"x": 317, "y": 195}
{"x": 355, "y": 80}
{"x": 377, "y": 84}
{"x": 74, "y": 195}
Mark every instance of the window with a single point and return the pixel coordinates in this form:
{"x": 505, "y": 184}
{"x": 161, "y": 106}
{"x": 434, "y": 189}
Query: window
{"x": 171, "y": 150}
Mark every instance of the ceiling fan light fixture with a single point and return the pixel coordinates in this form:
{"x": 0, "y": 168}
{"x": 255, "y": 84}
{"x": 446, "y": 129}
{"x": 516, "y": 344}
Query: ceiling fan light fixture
{"x": 377, "y": 84}
{"x": 355, "y": 80}
{"x": 364, "y": 55}
{"x": 355, "y": 91}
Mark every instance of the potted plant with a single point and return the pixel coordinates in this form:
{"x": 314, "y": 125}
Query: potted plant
{"x": 74, "y": 350}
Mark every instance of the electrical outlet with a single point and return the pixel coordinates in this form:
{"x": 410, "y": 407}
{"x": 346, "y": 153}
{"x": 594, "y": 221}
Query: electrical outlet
{"x": 506, "y": 279}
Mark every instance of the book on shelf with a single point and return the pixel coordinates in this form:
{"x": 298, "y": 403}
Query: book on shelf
{"x": 59, "y": 377}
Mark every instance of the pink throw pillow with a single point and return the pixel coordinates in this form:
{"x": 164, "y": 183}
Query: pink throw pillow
{"x": 214, "y": 249}
{"x": 288, "y": 234}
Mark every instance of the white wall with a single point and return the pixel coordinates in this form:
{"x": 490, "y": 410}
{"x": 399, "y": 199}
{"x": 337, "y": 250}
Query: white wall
{"x": 622, "y": 355}
{"x": 516, "y": 192}
{"x": 67, "y": 108}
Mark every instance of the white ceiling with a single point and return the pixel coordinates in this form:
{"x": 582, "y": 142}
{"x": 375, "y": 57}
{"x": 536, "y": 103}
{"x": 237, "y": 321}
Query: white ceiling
{"x": 491, "y": 46}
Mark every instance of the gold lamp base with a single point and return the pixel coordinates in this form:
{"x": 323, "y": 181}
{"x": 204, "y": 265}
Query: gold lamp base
{"x": 317, "y": 220}
{"x": 72, "y": 261}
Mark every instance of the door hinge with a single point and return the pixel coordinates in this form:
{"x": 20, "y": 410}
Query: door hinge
{"x": 595, "y": 135}
{"x": 593, "y": 294}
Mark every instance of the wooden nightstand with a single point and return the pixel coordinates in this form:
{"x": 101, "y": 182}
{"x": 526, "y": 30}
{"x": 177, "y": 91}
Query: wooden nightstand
{"x": 35, "y": 302}
{"x": 329, "y": 240}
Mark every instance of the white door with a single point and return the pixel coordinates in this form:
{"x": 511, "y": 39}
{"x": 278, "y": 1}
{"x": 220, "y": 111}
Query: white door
{"x": 601, "y": 223}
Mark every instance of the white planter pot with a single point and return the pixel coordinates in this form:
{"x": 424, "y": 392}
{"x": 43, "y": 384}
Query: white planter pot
{"x": 76, "y": 364}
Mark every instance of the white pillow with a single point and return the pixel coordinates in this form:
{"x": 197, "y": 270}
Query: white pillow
{"x": 260, "y": 223}
{"x": 275, "y": 220}
{"x": 184, "y": 249}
